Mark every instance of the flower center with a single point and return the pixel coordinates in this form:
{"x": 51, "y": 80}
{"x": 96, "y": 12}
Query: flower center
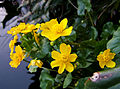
{"x": 106, "y": 59}
{"x": 59, "y": 30}
{"x": 65, "y": 58}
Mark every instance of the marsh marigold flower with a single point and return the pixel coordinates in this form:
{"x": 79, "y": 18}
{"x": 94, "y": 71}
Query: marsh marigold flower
{"x": 38, "y": 63}
{"x": 105, "y": 58}
{"x": 63, "y": 59}
{"x": 53, "y": 30}
{"x": 17, "y": 57}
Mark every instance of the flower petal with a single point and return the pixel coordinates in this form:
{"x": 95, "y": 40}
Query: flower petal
{"x": 69, "y": 67}
{"x": 111, "y": 55}
{"x": 106, "y": 52}
{"x": 65, "y": 49}
{"x": 67, "y": 31}
{"x": 102, "y": 64}
{"x": 110, "y": 64}
{"x": 100, "y": 57}
{"x": 55, "y": 64}
{"x": 72, "y": 57}
{"x": 50, "y": 35}
{"x": 61, "y": 68}
{"x": 55, "y": 55}
{"x": 63, "y": 23}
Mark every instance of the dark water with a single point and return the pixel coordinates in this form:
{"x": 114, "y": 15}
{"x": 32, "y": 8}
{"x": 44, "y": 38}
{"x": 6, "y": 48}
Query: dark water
{"x": 11, "y": 78}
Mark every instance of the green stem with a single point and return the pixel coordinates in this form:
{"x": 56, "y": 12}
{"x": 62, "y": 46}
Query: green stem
{"x": 72, "y": 4}
{"x": 49, "y": 69}
{"x": 26, "y": 61}
{"x": 76, "y": 44}
{"x": 90, "y": 18}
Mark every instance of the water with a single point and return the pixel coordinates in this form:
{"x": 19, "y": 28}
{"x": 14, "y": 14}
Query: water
{"x": 11, "y": 78}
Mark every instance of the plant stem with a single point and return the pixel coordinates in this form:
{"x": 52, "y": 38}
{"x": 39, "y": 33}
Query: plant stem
{"x": 49, "y": 69}
{"x": 90, "y": 18}
{"x": 72, "y": 4}
{"x": 26, "y": 61}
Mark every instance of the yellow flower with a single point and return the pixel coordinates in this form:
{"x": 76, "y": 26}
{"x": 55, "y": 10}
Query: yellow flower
{"x": 12, "y": 43}
{"x": 28, "y": 28}
{"x": 38, "y": 63}
{"x": 53, "y": 30}
{"x": 105, "y": 58}
{"x": 16, "y": 30}
{"x": 17, "y": 57}
{"x": 63, "y": 59}
{"x": 23, "y": 28}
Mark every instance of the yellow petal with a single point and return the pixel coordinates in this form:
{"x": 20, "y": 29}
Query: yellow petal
{"x": 53, "y": 37}
{"x": 63, "y": 23}
{"x": 52, "y": 22}
{"x": 61, "y": 68}
{"x": 65, "y": 49}
{"x": 18, "y": 49}
{"x": 39, "y": 63}
{"x": 67, "y": 31}
{"x": 69, "y": 67}
{"x": 106, "y": 52}
{"x": 102, "y": 64}
{"x": 50, "y": 35}
{"x": 55, "y": 55}
{"x": 72, "y": 57}
{"x": 29, "y": 65}
{"x": 37, "y": 25}
{"x": 55, "y": 64}
{"x": 100, "y": 57}
{"x": 111, "y": 55}
{"x": 14, "y": 64}
{"x": 110, "y": 64}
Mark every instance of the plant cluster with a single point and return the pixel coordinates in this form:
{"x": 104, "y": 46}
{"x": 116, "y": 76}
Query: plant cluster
{"x": 70, "y": 42}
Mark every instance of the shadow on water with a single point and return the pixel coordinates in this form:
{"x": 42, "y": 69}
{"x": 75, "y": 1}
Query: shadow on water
{"x": 36, "y": 83}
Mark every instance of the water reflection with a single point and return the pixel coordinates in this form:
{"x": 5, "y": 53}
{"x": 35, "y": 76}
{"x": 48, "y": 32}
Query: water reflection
{"x": 11, "y": 78}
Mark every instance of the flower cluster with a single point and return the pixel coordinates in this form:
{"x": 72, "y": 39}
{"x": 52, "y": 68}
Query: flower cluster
{"x": 23, "y": 28}
{"x": 51, "y": 30}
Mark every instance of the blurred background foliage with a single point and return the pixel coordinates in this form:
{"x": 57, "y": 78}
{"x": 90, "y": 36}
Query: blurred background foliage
{"x": 95, "y": 28}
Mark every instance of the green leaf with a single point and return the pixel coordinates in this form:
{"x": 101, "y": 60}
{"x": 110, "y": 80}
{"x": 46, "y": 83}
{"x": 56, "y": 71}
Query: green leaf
{"x": 33, "y": 69}
{"x": 108, "y": 29}
{"x": 104, "y": 79}
{"x": 80, "y": 83}
{"x": 82, "y": 6}
{"x": 71, "y": 37}
{"x": 46, "y": 80}
{"x": 117, "y": 86}
{"x": 93, "y": 33}
{"x": 59, "y": 78}
{"x": 114, "y": 43}
{"x": 42, "y": 51}
{"x": 67, "y": 80}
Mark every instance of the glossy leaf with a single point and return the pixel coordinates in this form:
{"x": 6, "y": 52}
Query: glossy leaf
{"x": 104, "y": 79}
{"x": 108, "y": 29}
{"x": 82, "y": 6}
{"x": 67, "y": 80}
{"x": 46, "y": 80}
{"x": 81, "y": 83}
{"x": 114, "y": 43}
